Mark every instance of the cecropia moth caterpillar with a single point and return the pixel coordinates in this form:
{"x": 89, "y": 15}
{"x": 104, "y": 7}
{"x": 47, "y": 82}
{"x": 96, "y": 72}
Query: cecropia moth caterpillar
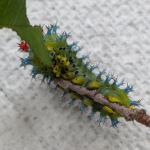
{"x": 66, "y": 65}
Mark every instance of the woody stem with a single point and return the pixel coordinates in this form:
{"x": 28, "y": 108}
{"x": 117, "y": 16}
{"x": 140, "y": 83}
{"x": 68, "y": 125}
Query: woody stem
{"x": 129, "y": 114}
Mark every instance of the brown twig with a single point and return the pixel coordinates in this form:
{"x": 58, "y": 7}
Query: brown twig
{"x": 135, "y": 114}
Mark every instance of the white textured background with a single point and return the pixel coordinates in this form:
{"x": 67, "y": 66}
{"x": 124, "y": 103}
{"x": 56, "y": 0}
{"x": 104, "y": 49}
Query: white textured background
{"x": 116, "y": 33}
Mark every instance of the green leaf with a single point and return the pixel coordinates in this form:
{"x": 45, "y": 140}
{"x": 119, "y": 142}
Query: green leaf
{"x": 13, "y": 15}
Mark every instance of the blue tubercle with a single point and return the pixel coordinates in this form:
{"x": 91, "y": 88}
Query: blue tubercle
{"x": 102, "y": 118}
{"x": 121, "y": 83}
{"x": 71, "y": 102}
{"x": 93, "y": 67}
{"x": 101, "y": 73}
{"x": 73, "y": 45}
{"x": 65, "y": 35}
{"x": 49, "y": 81}
{"x": 114, "y": 122}
{"x": 82, "y": 108}
{"x": 108, "y": 78}
{"x": 135, "y": 103}
{"x": 86, "y": 64}
{"x": 45, "y": 77}
{"x": 25, "y": 61}
{"x": 85, "y": 57}
{"x": 52, "y": 29}
{"x": 64, "y": 93}
{"x": 128, "y": 89}
{"x": 34, "y": 72}
{"x": 91, "y": 115}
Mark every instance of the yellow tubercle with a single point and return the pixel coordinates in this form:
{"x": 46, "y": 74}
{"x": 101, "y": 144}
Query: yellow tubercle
{"x": 113, "y": 99}
{"x": 109, "y": 110}
{"x": 93, "y": 85}
{"x": 57, "y": 71}
{"x": 68, "y": 75}
{"x": 131, "y": 107}
{"x": 74, "y": 95}
{"x": 79, "y": 80}
{"x": 62, "y": 60}
{"x": 49, "y": 47}
{"x": 87, "y": 101}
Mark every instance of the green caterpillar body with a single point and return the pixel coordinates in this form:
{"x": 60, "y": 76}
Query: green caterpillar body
{"x": 65, "y": 64}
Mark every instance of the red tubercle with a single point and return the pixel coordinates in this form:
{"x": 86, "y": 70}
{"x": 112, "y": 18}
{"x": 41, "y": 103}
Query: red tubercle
{"x": 24, "y": 46}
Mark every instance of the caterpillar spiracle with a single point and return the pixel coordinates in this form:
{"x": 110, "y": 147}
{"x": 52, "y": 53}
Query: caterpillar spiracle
{"x": 66, "y": 65}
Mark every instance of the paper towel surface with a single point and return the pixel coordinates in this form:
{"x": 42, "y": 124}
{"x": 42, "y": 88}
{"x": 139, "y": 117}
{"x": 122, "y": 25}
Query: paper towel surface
{"x": 116, "y": 35}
